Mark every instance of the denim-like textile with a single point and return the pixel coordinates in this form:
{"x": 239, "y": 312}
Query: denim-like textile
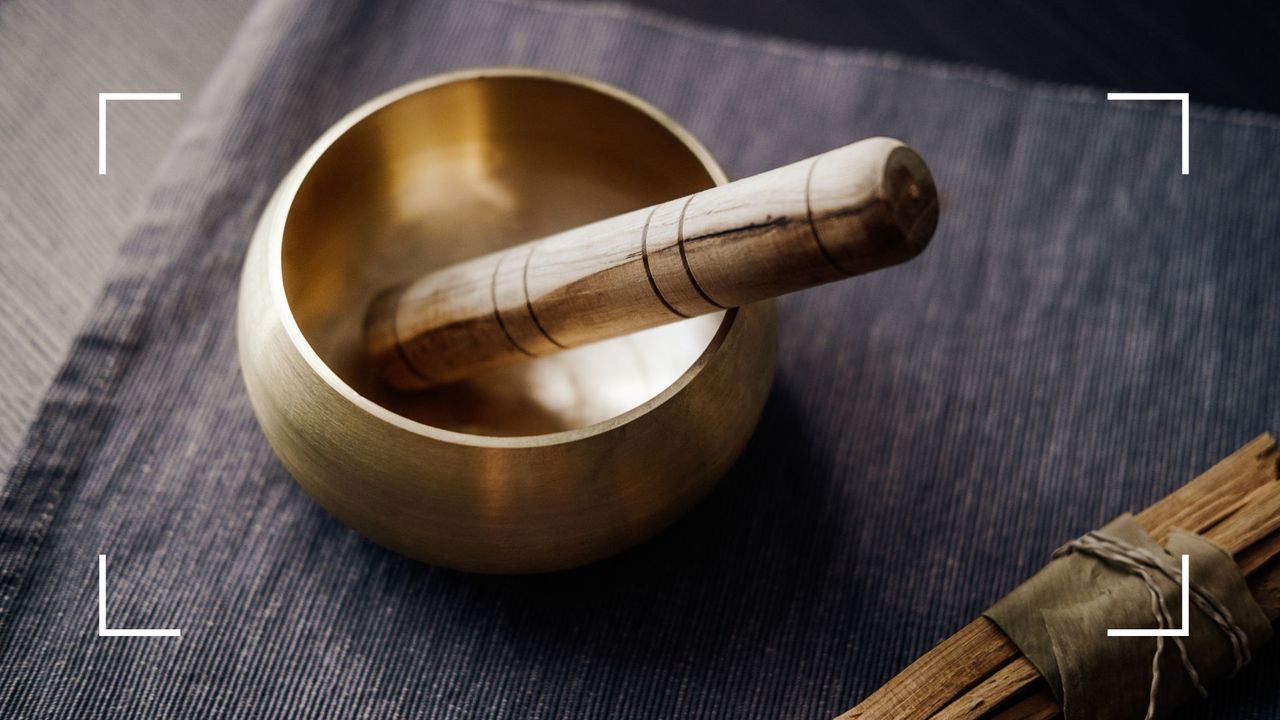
{"x": 1089, "y": 330}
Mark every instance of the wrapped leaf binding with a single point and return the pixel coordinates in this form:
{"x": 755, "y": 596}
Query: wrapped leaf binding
{"x": 979, "y": 673}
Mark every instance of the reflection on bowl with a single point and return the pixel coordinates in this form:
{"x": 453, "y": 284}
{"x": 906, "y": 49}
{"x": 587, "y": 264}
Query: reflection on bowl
{"x": 535, "y": 467}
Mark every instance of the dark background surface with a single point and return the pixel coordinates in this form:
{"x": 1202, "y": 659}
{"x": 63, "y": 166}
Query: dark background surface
{"x": 1223, "y": 53}
{"x": 785, "y": 593}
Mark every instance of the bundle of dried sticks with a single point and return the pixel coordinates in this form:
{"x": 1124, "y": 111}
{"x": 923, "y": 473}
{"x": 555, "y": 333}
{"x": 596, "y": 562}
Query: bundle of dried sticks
{"x": 979, "y": 674}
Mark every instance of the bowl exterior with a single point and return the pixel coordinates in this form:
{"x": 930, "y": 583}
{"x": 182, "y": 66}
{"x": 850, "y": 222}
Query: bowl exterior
{"x": 485, "y": 504}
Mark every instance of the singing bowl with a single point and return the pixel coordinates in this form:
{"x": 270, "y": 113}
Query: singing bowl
{"x": 548, "y": 465}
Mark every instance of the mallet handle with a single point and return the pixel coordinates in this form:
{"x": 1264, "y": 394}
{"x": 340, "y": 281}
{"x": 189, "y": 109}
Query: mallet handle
{"x": 849, "y": 211}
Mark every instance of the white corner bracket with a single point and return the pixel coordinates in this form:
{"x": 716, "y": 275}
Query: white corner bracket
{"x": 103, "y": 630}
{"x": 1183, "y": 631}
{"x": 1185, "y": 98}
{"x": 103, "y": 97}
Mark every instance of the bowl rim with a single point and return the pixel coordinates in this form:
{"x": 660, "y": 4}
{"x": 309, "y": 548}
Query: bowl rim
{"x": 292, "y": 182}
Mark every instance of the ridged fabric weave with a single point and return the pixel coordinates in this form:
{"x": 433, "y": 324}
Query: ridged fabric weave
{"x": 1089, "y": 330}
{"x": 60, "y": 222}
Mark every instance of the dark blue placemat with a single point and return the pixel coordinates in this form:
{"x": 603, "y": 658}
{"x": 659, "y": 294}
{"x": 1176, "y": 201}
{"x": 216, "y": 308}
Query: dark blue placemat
{"x": 1089, "y": 330}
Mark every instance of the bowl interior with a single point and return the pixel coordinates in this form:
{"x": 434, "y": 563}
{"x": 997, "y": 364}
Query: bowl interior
{"x": 465, "y": 168}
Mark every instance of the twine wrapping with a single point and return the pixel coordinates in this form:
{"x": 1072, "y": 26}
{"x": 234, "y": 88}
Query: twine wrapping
{"x": 1118, "y": 577}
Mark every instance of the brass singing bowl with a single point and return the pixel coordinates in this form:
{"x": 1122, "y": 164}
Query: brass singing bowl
{"x": 549, "y": 465}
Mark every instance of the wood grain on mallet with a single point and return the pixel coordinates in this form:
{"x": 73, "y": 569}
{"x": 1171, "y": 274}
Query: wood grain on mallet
{"x": 849, "y": 211}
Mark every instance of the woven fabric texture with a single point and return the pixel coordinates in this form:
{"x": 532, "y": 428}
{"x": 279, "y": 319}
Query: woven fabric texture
{"x": 60, "y": 222}
{"x": 1089, "y": 330}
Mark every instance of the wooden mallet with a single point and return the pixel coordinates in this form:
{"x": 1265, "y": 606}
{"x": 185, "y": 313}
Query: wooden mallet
{"x": 848, "y": 211}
